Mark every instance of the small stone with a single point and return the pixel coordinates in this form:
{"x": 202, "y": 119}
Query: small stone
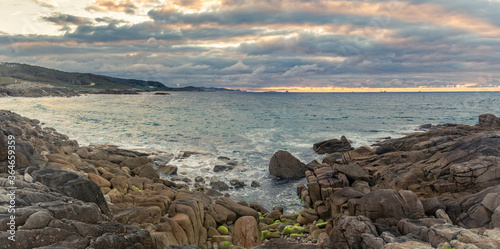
{"x": 199, "y": 179}
{"x": 255, "y": 184}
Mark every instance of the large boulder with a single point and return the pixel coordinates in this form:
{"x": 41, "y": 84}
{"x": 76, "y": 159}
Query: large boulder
{"x": 489, "y": 120}
{"x": 333, "y": 145}
{"x": 246, "y": 232}
{"x": 285, "y": 165}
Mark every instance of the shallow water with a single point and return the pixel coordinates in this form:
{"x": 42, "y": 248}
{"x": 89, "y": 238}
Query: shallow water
{"x": 248, "y": 127}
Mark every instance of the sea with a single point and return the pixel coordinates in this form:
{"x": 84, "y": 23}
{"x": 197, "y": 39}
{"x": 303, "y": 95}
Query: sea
{"x": 248, "y": 127}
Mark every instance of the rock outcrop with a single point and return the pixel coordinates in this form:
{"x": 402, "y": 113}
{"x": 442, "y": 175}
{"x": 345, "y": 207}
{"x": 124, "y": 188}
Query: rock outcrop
{"x": 285, "y": 165}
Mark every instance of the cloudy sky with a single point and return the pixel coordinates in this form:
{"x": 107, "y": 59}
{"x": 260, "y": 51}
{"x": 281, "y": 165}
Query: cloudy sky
{"x": 296, "y": 45}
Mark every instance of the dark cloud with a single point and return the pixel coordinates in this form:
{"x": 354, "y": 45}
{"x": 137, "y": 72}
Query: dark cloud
{"x": 64, "y": 19}
{"x": 246, "y": 44}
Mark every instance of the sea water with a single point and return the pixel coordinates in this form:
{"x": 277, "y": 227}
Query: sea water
{"x": 248, "y": 127}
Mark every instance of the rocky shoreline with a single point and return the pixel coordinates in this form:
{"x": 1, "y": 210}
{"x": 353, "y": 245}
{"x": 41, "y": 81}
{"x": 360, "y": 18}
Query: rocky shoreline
{"x": 436, "y": 189}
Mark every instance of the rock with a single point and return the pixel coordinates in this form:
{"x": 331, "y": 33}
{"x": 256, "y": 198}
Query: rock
{"x": 121, "y": 183}
{"x": 281, "y": 243}
{"x": 246, "y": 232}
{"x": 491, "y": 201}
{"x": 167, "y": 169}
{"x": 409, "y": 244}
{"x": 212, "y": 232}
{"x": 432, "y": 205}
{"x": 39, "y": 219}
{"x": 146, "y": 171}
{"x": 254, "y": 184}
{"x": 134, "y": 162}
{"x": 258, "y": 207}
{"x": 307, "y": 216}
{"x": 441, "y": 214}
{"x": 240, "y": 210}
{"x": 237, "y": 184}
{"x": 220, "y": 168}
{"x": 352, "y": 171}
{"x": 389, "y": 203}
{"x": 199, "y": 179}
{"x": 221, "y": 214}
{"x": 3, "y": 147}
{"x": 285, "y": 165}
{"x": 495, "y": 218}
{"x": 363, "y": 186}
{"x": 479, "y": 172}
{"x": 331, "y": 146}
{"x": 488, "y": 120}
{"x": 353, "y": 232}
{"x": 222, "y": 230}
{"x": 100, "y": 181}
{"x": 220, "y": 186}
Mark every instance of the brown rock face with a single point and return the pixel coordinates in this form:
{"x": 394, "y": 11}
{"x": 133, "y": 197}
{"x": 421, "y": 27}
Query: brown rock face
{"x": 489, "y": 120}
{"x": 246, "y": 232}
{"x": 285, "y": 165}
{"x": 389, "y": 203}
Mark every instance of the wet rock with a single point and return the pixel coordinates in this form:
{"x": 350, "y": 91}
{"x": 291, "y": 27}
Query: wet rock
{"x": 246, "y": 232}
{"x": 285, "y": 165}
{"x": 257, "y": 206}
{"x": 254, "y": 184}
{"x": 167, "y": 169}
{"x": 237, "y": 184}
{"x": 199, "y": 179}
{"x": 220, "y": 168}
{"x": 220, "y": 185}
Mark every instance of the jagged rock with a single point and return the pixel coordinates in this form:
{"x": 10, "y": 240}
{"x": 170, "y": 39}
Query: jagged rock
{"x": 257, "y": 206}
{"x": 409, "y": 244}
{"x": 285, "y": 165}
{"x": 167, "y": 169}
{"x": 240, "y": 210}
{"x": 134, "y": 162}
{"x": 352, "y": 171}
{"x": 333, "y": 145}
{"x": 432, "y": 205}
{"x": 246, "y": 232}
{"x": 389, "y": 203}
{"x": 307, "y": 216}
{"x": 355, "y": 232}
{"x": 495, "y": 218}
{"x": 282, "y": 243}
{"x": 221, "y": 214}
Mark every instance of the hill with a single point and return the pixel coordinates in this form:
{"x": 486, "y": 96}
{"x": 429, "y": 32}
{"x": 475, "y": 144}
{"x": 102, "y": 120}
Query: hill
{"x": 27, "y": 80}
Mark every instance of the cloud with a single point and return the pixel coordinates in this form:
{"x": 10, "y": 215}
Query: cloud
{"x": 65, "y": 19}
{"x": 273, "y": 43}
{"x": 301, "y": 70}
{"x": 47, "y": 3}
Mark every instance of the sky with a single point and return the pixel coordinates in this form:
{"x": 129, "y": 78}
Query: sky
{"x": 264, "y": 45}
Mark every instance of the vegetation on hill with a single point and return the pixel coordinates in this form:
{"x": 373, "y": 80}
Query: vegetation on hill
{"x": 12, "y": 73}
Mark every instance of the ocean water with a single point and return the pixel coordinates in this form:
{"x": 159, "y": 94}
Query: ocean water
{"x": 248, "y": 127}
